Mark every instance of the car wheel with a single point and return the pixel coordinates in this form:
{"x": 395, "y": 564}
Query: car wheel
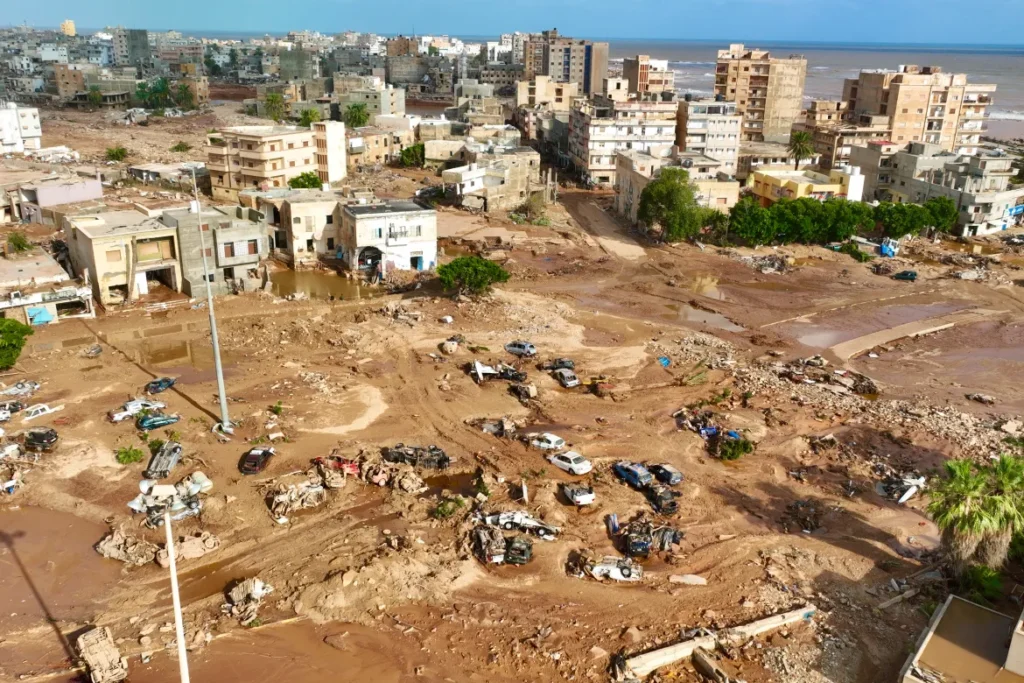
{"x": 508, "y": 526}
{"x": 626, "y": 572}
{"x": 543, "y": 533}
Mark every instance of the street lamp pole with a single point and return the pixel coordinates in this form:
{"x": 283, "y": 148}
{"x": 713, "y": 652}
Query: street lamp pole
{"x": 225, "y": 421}
{"x": 179, "y": 626}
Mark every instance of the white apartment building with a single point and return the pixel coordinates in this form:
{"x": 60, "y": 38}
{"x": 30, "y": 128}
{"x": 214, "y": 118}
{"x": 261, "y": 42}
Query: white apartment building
{"x": 711, "y": 128}
{"x": 398, "y": 235}
{"x": 601, "y": 127}
{"x": 331, "y": 164}
{"x": 20, "y": 129}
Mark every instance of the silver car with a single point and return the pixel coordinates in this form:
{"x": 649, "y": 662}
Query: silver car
{"x": 521, "y": 348}
{"x": 566, "y": 377}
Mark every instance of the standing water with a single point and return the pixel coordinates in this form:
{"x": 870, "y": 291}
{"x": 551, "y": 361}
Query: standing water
{"x": 318, "y": 284}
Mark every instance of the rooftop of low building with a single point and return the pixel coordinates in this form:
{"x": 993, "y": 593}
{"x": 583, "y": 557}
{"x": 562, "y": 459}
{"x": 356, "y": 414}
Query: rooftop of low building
{"x": 394, "y": 206}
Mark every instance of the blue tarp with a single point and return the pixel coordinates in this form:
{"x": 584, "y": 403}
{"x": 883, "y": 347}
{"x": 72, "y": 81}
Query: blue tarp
{"x": 39, "y": 316}
{"x": 665, "y": 361}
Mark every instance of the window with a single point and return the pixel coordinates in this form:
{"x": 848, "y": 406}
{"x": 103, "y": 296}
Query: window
{"x": 419, "y": 231}
{"x": 205, "y": 227}
{"x": 210, "y": 277}
{"x": 113, "y": 256}
{"x": 229, "y": 250}
{"x": 296, "y": 221}
{"x": 254, "y": 247}
{"x": 305, "y": 143}
{"x": 291, "y": 145}
{"x": 330, "y": 244}
{"x": 378, "y": 233}
{"x": 309, "y": 245}
{"x": 330, "y": 219}
{"x": 209, "y": 254}
{"x": 291, "y": 164}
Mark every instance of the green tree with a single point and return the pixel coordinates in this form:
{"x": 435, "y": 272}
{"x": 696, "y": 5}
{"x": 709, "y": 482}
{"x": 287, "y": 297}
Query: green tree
{"x": 471, "y": 274}
{"x": 801, "y": 146}
{"x": 142, "y": 95}
{"x": 669, "y": 201}
{"x": 356, "y": 115}
{"x": 309, "y": 117}
{"x": 413, "y": 156}
{"x": 899, "y": 220}
{"x": 943, "y": 212}
{"x": 183, "y": 96}
{"x": 126, "y": 455}
{"x": 798, "y": 220}
{"x": 843, "y": 219}
{"x": 95, "y": 95}
{"x": 212, "y": 67}
{"x": 752, "y": 223}
{"x": 12, "y": 340}
{"x": 274, "y": 105}
{"x": 233, "y": 58}
{"x": 181, "y": 147}
{"x": 1004, "y": 504}
{"x": 433, "y": 51}
{"x": 309, "y": 179}
{"x": 160, "y": 93}
{"x": 117, "y": 153}
{"x": 18, "y": 243}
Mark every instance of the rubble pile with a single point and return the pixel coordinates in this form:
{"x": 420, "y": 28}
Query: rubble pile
{"x": 503, "y": 426}
{"x": 768, "y": 264}
{"x": 102, "y": 658}
{"x": 128, "y": 549}
{"x": 285, "y": 499}
{"x": 244, "y": 600}
{"x": 397, "y": 476}
{"x": 189, "y": 548}
{"x": 317, "y": 381}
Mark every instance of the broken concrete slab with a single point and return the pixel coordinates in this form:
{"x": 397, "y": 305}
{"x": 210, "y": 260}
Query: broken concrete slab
{"x": 688, "y": 579}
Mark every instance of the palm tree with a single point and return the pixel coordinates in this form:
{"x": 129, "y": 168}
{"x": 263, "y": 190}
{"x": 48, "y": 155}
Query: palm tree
{"x": 356, "y": 115}
{"x": 800, "y": 146}
{"x": 960, "y": 508}
{"x": 1004, "y": 505}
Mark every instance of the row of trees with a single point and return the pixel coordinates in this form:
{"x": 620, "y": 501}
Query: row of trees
{"x": 669, "y": 205}
{"x": 159, "y": 93}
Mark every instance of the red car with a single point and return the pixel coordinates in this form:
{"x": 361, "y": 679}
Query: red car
{"x": 348, "y": 467}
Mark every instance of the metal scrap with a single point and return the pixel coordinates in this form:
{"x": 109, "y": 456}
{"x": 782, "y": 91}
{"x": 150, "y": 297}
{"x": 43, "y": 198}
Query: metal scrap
{"x": 244, "y": 600}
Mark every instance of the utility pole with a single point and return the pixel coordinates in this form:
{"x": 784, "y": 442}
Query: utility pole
{"x": 179, "y": 625}
{"x": 225, "y": 421}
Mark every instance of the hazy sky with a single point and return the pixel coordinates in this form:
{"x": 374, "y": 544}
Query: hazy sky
{"x": 886, "y": 21}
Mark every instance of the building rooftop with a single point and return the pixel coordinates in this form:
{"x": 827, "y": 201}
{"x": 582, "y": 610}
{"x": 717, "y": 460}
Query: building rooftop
{"x": 396, "y": 206}
{"x": 263, "y": 131}
{"x": 36, "y": 268}
{"x": 764, "y": 149}
{"x": 969, "y": 645}
{"x": 802, "y": 176}
{"x": 116, "y": 223}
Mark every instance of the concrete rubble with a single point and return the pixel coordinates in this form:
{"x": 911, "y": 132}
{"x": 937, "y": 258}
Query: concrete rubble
{"x": 244, "y": 600}
{"x": 128, "y": 549}
{"x": 102, "y": 658}
{"x": 189, "y": 548}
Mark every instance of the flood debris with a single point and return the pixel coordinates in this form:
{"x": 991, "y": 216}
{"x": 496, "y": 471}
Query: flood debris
{"x": 102, "y": 659}
{"x": 12, "y": 478}
{"x": 430, "y": 457}
{"x": 503, "y": 426}
{"x": 982, "y": 398}
{"x": 244, "y": 600}
{"x": 163, "y": 461}
{"x": 519, "y": 520}
{"x": 607, "y": 567}
{"x": 492, "y": 547}
{"x": 189, "y": 548}
{"x": 119, "y": 546}
{"x": 284, "y": 499}
{"x": 335, "y": 470}
{"x": 181, "y": 500}
{"x": 397, "y": 476}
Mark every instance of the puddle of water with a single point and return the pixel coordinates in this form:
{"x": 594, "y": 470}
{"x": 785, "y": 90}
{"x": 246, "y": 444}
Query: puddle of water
{"x": 461, "y": 483}
{"x": 968, "y": 248}
{"x": 190, "y": 362}
{"x": 319, "y": 284}
{"x": 693, "y": 315}
{"x": 456, "y": 250}
{"x": 707, "y": 285}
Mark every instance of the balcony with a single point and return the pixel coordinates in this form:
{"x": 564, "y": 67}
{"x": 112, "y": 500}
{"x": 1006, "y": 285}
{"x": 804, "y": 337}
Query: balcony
{"x": 216, "y": 165}
{"x": 271, "y": 172}
{"x": 260, "y": 154}
{"x": 974, "y": 114}
{"x": 215, "y": 150}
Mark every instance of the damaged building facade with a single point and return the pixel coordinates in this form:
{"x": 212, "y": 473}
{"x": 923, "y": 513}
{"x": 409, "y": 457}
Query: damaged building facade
{"x": 391, "y": 235}
{"x": 498, "y": 178}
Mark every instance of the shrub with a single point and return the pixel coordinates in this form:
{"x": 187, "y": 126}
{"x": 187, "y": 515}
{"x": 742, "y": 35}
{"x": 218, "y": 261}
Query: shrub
{"x": 734, "y": 449}
{"x": 155, "y": 445}
{"x": 981, "y": 584}
{"x": 472, "y": 274}
{"x": 118, "y": 153}
{"x": 181, "y": 147}
{"x": 12, "y": 340}
{"x": 307, "y": 180}
{"x": 126, "y": 455}
{"x": 18, "y": 243}
{"x": 447, "y": 508}
{"x": 851, "y": 249}
{"x": 277, "y": 409}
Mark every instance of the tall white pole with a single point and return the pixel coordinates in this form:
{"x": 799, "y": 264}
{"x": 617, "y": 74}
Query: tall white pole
{"x": 179, "y": 625}
{"x": 225, "y": 421}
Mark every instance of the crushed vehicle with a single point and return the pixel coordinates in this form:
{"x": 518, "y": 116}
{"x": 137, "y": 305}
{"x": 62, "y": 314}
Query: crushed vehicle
{"x": 558, "y": 364}
{"x": 102, "y": 658}
{"x": 579, "y": 494}
{"x": 255, "y": 460}
{"x": 492, "y": 547}
{"x": 663, "y": 499}
{"x": 567, "y": 378}
{"x": 431, "y": 457}
{"x": 571, "y": 461}
{"x": 189, "y": 548}
{"x": 25, "y": 387}
{"x": 40, "y": 439}
{"x": 244, "y": 600}
{"x": 163, "y": 461}
{"x": 505, "y": 426}
{"x": 641, "y": 536}
{"x": 523, "y": 392}
{"x": 181, "y": 500}
{"x": 521, "y": 348}
{"x": 509, "y": 373}
{"x": 666, "y": 474}
{"x": 544, "y": 441}
{"x": 12, "y": 478}
{"x": 334, "y": 470}
{"x": 481, "y": 373}
{"x": 699, "y": 421}
{"x": 39, "y": 410}
{"x": 518, "y": 550}
{"x": 521, "y": 521}
{"x": 633, "y": 473}
{"x": 12, "y": 407}
{"x": 119, "y": 546}
{"x": 155, "y": 421}
{"x": 160, "y": 385}
{"x": 134, "y": 407}
{"x": 611, "y": 567}
{"x": 5, "y": 415}
{"x": 288, "y": 498}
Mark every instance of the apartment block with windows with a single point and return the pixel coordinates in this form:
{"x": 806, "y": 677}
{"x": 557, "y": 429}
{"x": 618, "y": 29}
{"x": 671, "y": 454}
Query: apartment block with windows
{"x": 262, "y": 157}
{"x": 392, "y": 235}
{"x": 835, "y": 130}
{"x": 601, "y": 127}
{"x": 768, "y": 91}
{"x": 331, "y": 145}
{"x": 543, "y": 91}
{"x": 566, "y": 60}
{"x": 648, "y": 75}
{"x": 924, "y": 104}
{"x": 710, "y": 127}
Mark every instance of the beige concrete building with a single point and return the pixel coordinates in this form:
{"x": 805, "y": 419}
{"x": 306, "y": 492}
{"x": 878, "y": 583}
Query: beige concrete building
{"x": 497, "y": 178}
{"x": 648, "y": 75}
{"x": 370, "y": 146}
{"x": 566, "y": 60}
{"x": 67, "y": 27}
{"x": 768, "y": 91}
{"x": 601, "y": 127}
{"x": 636, "y": 169}
{"x": 262, "y": 157}
{"x": 123, "y": 254}
{"x": 756, "y": 156}
{"x": 712, "y": 128}
{"x": 69, "y": 79}
{"x": 331, "y": 151}
{"x": 769, "y": 186}
{"x": 834, "y": 130}
{"x": 924, "y": 105}
{"x": 543, "y": 91}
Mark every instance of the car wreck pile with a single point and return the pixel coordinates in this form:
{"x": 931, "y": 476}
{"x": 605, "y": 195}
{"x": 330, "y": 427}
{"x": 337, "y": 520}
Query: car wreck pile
{"x": 102, "y": 659}
{"x": 182, "y": 500}
{"x": 244, "y": 600}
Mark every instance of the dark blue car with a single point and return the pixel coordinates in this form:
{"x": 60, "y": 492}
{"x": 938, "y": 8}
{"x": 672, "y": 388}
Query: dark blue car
{"x": 667, "y": 474}
{"x": 633, "y": 473}
{"x": 155, "y": 421}
{"x": 159, "y": 385}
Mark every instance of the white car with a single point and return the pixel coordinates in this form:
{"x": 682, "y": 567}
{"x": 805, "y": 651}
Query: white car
{"x": 546, "y": 441}
{"x": 616, "y": 568}
{"x": 570, "y": 461}
{"x": 566, "y": 377}
{"x": 38, "y": 410}
{"x": 133, "y": 408}
{"x": 521, "y": 348}
{"x": 579, "y": 494}
{"x": 5, "y": 415}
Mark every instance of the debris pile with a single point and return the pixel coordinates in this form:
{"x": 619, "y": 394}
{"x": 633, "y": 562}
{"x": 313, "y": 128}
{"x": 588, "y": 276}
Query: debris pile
{"x": 181, "y": 500}
{"x": 102, "y": 659}
{"x": 771, "y": 263}
{"x": 395, "y": 475}
{"x": 503, "y": 426}
{"x": 128, "y": 549}
{"x": 189, "y": 548}
{"x": 284, "y": 499}
{"x": 244, "y": 600}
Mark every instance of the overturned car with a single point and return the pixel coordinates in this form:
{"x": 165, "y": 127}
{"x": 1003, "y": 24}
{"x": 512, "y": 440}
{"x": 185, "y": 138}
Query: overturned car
{"x": 493, "y": 548}
{"x": 430, "y": 457}
{"x": 521, "y": 521}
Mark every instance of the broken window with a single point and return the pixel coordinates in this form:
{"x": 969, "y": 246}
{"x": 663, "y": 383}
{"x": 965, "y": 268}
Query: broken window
{"x": 330, "y": 244}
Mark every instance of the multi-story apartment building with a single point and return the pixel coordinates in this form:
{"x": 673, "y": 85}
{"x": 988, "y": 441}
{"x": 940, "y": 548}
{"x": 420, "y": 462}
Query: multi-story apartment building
{"x": 979, "y": 184}
{"x": 392, "y": 235}
{"x": 131, "y": 46}
{"x": 756, "y": 156}
{"x": 834, "y": 130}
{"x": 543, "y": 91}
{"x": 67, "y": 27}
{"x": 924, "y": 105}
{"x": 768, "y": 91}
{"x": 648, "y": 75}
{"x": 370, "y": 146}
{"x": 70, "y": 79}
{"x": 600, "y": 127}
{"x": 710, "y": 127}
{"x": 769, "y": 186}
{"x": 500, "y": 75}
{"x": 243, "y": 157}
{"x": 497, "y": 178}
{"x": 400, "y": 46}
{"x": 379, "y": 99}
{"x": 331, "y": 145}
{"x": 20, "y": 129}
{"x": 566, "y": 60}
{"x": 636, "y": 169}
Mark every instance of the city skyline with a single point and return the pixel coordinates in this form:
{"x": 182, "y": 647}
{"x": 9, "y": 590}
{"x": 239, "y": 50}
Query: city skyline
{"x": 910, "y": 22}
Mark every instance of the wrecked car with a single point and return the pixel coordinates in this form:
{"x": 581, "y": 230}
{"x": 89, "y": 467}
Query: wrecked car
{"x": 41, "y": 439}
{"x": 25, "y": 387}
{"x": 255, "y": 460}
{"x": 163, "y": 461}
{"x": 181, "y": 500}
{"x": 133, "y": 408}
{"x": 39, "y": 410}
{"x": 521, "y": 348}
{"x": 521, "y": 521}
{"x": 12, "y": 407}
{"x": 160, "y": 385}
{"x": 663, "y": 499}
{"x": 615, "y": 568}
{"x": 571, "y": 462}
{"x": 431, "y": 457}
{"x": 636, "y": 538}
{"x": 666, "y": 474}
{"x": 155, "y": 421}
{"x": 523, "y": 392}
{"x": 579, "y": 494}
{"x": 102, "y": 658}
{"x": 633, "y": 473}
{"x": 558, "y": 364}
{"x": 493, "y": 548}
{"x": 349, "y": 468}
{"x": 518, "y": 550}
{"x": 545, "y": 441}
{"x": 509, "y": 373}
{"x": 567, "y": 378}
